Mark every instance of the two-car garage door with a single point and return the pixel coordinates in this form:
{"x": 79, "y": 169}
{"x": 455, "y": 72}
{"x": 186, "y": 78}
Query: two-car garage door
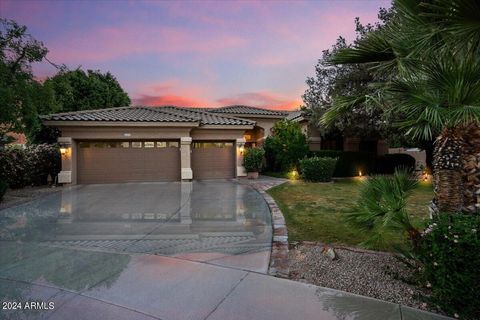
{"x": 128, "y": 161}
{"x": 136, "y": 161}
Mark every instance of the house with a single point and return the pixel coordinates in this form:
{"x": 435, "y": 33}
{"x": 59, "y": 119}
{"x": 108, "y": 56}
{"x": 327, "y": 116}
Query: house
{"x": 164, "y": 143}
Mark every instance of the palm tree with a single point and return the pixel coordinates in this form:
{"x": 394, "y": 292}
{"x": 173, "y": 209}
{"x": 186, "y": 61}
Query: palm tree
{"x": 431, "y": 49}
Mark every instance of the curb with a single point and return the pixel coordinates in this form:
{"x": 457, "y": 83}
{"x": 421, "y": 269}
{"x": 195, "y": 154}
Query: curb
{"x": 279, "y": 266}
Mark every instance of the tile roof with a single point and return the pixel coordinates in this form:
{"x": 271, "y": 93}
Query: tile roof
{"x": 295, "y": 115}
{"x": 247, "y": 110}
{"x": 148, "y": 114}
{"x": 207, "y": 117}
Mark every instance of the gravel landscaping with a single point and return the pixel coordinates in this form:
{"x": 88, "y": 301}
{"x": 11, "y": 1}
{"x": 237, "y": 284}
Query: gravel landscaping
{"x": 15, "y": 197}
{"x": 375, "y": 274}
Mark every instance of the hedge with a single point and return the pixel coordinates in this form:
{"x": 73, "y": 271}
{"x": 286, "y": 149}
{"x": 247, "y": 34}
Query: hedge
{"x": 30, "y": 166}
{"x": 351, "y": 162}
{"x": 318, "y": 169}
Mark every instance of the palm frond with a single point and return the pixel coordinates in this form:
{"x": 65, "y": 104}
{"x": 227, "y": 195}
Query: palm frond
{"x": 341, "y": 105}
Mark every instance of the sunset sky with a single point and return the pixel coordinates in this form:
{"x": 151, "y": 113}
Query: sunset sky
{"x": 196, "y": 53}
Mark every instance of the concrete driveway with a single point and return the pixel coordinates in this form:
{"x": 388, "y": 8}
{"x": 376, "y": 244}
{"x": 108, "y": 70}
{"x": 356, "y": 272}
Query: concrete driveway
{"x": 157, "y": 251}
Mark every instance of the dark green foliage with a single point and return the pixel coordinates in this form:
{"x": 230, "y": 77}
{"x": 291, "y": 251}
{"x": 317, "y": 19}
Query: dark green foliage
{"x": 21, "y": 97}
{"x": 450, "y": 253}
{"x": 351, "y": 162}
{"x": 14, "y": 167}
{"x": 347, "y": 80}
{"x": 253, "y": 159}
{"x": 22, "y": 167}
{"x": 3, "y": 188}
{"x": 79, "y": 90}
{"x": 388, "y": 163}
{"x": 318, "y": 169}
{"x": 381, "y": 208}
{"x": 286, "y": 146}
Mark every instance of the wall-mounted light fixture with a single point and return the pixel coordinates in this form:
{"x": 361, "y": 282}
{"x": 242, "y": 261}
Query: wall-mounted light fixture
{"x": 65, "y": 149}
{"x": 241, "y": 150}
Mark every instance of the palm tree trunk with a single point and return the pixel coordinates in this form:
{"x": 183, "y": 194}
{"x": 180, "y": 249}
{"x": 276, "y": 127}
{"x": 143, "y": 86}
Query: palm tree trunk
{"x": 471, "y": 168}
{"x": 448, "y": 168}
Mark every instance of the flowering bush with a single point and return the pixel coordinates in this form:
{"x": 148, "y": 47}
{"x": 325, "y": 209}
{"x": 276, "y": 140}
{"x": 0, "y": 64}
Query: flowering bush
{"x": 21, "y": 167}
{"x": 450, "y": 254}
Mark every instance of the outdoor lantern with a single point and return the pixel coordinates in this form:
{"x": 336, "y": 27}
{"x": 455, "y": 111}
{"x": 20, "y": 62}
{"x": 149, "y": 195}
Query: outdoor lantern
{"x": 241, "y": 149}
{"x": 64, "y": 149}
{"x": 359, "y": 173}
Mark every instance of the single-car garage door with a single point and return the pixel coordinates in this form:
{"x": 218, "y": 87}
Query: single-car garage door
{"x": 213, "y": 160}
{"x": 128, "y": 161}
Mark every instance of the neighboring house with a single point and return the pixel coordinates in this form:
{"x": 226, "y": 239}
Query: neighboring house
{"x": 164, "y": 143}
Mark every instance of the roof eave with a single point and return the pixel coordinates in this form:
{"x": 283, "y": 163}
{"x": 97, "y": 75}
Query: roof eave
{"x": 86, "y": 123}
{"x": 228, "y": 126}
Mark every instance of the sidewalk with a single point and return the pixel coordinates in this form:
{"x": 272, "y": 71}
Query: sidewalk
{"x": 155, "y": 287}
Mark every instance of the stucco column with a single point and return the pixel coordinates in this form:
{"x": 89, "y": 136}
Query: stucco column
{"x": 185, "y": 201}
{"x": 65, "y": 176}
{"x": 186, "y": 167}
{"x": 240, "y": 150}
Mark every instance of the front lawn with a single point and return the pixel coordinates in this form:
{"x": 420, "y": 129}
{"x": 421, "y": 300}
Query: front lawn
{"x": 316, "y": 211}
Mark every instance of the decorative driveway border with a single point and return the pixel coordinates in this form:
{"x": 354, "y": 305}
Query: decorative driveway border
{"x": 279, "y": 256}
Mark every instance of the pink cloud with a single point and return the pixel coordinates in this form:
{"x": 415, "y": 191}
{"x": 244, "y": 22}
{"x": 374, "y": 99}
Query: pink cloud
{"x": 171, "y": 92}
{"x": 106, "y": 43}
{"x": 261, "y": 99}
{"x": 167, "y": 100}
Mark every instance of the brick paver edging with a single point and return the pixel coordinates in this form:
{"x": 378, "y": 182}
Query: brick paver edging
{"x": 279, "y": 256}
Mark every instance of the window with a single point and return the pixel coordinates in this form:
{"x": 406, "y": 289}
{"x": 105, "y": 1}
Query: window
{"x": 84, "y": 144}
{"x": 125, "y": 144}
{"x": 173, "y": 144}
{"x": 99, "y": 145}
{"x": 161, "y": 144}
{"x": 199, "y": 145}
{"x": 136, "y": 144}
{"x": 110, "y": 144}
{"x": 149, "y": 144}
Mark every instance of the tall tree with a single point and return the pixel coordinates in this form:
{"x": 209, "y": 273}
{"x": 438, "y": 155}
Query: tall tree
{"x": 20, "y": 95}
{"x": 349, "y": 80}
{"x": 78, "y": 90}
{"x": 431, "y": 49}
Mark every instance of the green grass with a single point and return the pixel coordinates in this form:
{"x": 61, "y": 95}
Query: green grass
{"x": 316, "y": 211}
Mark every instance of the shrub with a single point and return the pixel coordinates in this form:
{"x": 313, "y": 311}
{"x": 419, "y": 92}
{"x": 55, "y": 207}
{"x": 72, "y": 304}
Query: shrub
{"x": 286, "y": 146}
{"x": 14, "y": 167}
{"x": 388, "y": 163}
{"x": 351, "y": 162}
{"x": 381, "y": 208}
{"x": 21, "y": 167}
{"x": 318, "y": 169}
{"x": 3, "y": 188}
{"x": 253, "y": 159}
{"x": 450, "y": 256}
{"x": 44, "y": 160}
